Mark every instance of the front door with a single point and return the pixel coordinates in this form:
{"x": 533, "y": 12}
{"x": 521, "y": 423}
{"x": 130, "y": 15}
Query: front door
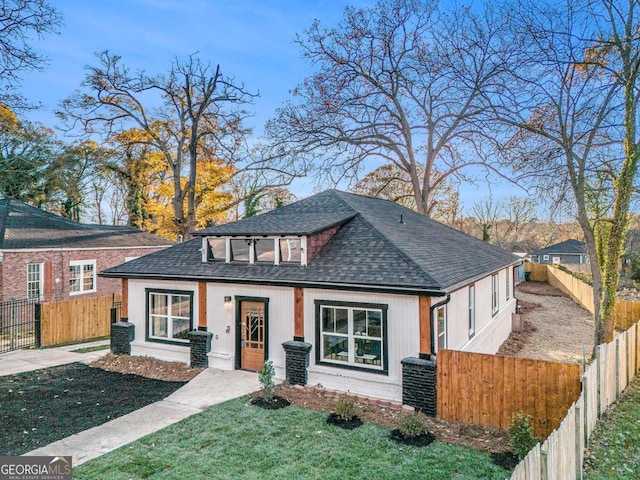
{"x": 252, "y": 335}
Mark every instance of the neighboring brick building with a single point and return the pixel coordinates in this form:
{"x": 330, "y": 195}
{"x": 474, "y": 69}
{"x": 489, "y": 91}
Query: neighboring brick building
{"x": 46, "y": 256}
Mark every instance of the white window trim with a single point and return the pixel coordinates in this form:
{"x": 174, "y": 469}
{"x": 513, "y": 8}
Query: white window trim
{"x": 276, "y": 249}
{"x": 441, "y": 334}
{"x": 495, "y": 294}
{"x": 81, "y": 264}
{"x": 508, "y": 284}
{"x": 40, "y": 280}
{"x": 472, "y": 310}
{"x": 545, "y": 257}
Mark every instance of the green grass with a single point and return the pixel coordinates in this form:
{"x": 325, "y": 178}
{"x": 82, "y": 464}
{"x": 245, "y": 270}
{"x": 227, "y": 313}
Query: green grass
{"x": 92, "y": 349}
{"x": 236, "y": 440}
{"x": 614, "y": 447}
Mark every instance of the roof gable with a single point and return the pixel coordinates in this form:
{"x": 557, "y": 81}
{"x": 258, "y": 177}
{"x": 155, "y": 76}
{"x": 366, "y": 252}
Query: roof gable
{"x": 25, "y": 227}
{"x": 572, "y": 246}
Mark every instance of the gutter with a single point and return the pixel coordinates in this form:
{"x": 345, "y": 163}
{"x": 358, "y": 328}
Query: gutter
{"x": 432, "y": 324}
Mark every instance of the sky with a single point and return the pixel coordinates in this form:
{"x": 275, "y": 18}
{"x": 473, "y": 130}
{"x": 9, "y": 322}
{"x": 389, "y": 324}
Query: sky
{"x": 251, "y": 40}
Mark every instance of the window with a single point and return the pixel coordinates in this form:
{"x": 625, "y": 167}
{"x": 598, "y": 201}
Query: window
{"x": 290, "y": 250}
{"x": 472, "y": 310}
{"x": 216, "y": 249}
{"x": 34, "y": 280}
{"x": 556, "y": 260}
{"x": 351, "y": 335}
{"x": 240, "y": 249}
{"x": 508, "y": 287}
{"x": 169, "y": 316}
{"x": 264, "y": 250}
{"x": 494, "y": 294}
{"x": 441, "y": 315}
{"x": 82, "y": 276}
{"x": 545, "y": 257}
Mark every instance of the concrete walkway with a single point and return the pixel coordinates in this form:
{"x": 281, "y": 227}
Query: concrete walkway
{"x": 33, "y": 359}
{"x": 209, "y": 388}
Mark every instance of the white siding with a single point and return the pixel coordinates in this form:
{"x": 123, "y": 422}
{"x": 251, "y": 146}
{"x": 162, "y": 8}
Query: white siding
{"x": 137, "y": 316}
{"x": 491, "y": 330}
{"x": 403, "y": 340}
{"x": 219, "y": 317}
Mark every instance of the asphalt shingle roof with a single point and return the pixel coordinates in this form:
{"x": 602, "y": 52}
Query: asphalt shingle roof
{"x": 25, "y": 227}
{"x": 371, "y": 249}
{"x": 567, "y": 247}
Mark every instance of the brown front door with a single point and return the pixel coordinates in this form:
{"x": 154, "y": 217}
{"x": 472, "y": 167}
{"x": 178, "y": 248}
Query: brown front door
{"x": 252, "y": 335}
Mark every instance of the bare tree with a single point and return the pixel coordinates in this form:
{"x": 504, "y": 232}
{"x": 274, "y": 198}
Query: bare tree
{"x": 189, "y": 114}
{"x": 401, "y": 82}
{"x": 20, "y": 22}
{"x": 575, "y": 77}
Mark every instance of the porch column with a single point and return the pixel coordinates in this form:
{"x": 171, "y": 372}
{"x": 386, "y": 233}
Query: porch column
{"x": 298, "y": 314}
{"x": 124, "y": 303}
{"x": 200, "y": 338}
{"x": 424, "y": 307}
{"x": 419, "y": 384}
{"x": 297, "y": 361}
{"x": 123, "y": 332}
{"x": 202, "y": 306}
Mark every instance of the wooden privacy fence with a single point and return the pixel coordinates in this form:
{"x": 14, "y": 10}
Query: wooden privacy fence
{"x": 561, "y": 456}
{"x": 76, "y": 320}
{"x": 626, "y": 312}
{"x": 537, "y": 271}
{"x": 487, "y": 389}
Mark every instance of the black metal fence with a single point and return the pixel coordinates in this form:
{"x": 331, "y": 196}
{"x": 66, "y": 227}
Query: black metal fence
{"x": 19, "y": 324}
{"x": 116, "y": 309}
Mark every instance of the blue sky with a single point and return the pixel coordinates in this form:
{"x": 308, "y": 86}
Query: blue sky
{"x": 252, "y": 40}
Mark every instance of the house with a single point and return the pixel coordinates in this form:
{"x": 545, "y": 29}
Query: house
{"x": 49, "y": 257}
{"x": 336, "y": 289}
{"x": 569, "y": 251}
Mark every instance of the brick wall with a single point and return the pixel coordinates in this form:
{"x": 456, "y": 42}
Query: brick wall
{"x": 13, "y": 271}
{"x": 319, "y": 240}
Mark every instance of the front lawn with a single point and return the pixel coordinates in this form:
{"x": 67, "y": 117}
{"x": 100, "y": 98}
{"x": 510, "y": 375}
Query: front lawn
{"x": 237, "y": 440}
{"x": 614, "y": 448}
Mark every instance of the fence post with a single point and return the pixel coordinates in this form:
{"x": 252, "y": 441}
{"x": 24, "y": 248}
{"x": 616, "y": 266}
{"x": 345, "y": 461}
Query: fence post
{"x": 599, "y": 380}
{"x": 114, "y": 313}
{"x": 585, "y": 408}
{"x": 617, "y": 341}
{"x": 544, "y": 469}
{"x": 579, "y": 442}
{"x": 37, "y": 327}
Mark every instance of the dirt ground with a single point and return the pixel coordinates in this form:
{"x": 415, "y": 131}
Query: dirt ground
{"x": 147, "y": 367}
{"x": 556, "y": 328}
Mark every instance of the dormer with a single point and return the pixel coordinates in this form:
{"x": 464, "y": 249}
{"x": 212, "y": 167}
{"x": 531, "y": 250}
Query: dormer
{"x": 259, "y": 250}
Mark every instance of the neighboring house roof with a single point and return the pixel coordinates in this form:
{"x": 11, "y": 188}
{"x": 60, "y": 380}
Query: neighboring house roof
{"x": 568, "y": 247}
{"x": 25, "y": 227}
{"x": 371, "y": 249}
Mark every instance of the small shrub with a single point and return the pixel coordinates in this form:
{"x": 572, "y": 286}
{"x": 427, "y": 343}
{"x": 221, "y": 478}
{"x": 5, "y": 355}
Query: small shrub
{"x": 346, "y": 408}
{"x": 411, "y": 425}
{"x": 265, "y": 375}
{"x": 522, "y": 434}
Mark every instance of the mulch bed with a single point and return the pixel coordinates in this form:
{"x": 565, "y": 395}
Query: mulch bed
{"x": 47, "y": 405}
{"x": 422, "y": 440}
{"x": 276, "y": 404}
{"x": 334, "y": 419}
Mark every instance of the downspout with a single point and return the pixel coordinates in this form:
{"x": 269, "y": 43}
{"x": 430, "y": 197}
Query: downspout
{"x": 432, "y": 322}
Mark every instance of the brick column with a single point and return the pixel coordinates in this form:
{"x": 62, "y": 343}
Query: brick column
{"x": 200, "y": 344}
{"x": 297, "y": 361}
{"x": 419, "y": 384}
{"x": 122, "y": 334}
